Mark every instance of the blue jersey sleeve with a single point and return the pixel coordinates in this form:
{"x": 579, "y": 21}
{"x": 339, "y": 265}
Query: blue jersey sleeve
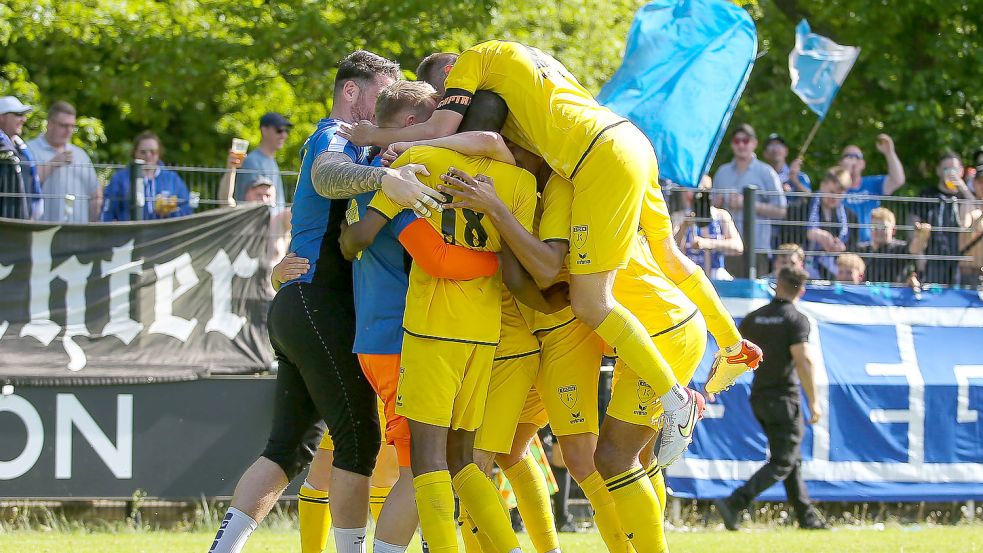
{"x": 114, "y": 198}
{"x": 873, "y": 185}
{"x": 403, "y": 220}
{"x": 184, "y": 197}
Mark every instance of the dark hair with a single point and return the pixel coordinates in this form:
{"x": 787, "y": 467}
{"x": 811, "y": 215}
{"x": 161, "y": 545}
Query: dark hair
{"x": 363, "y": 66}
{"x": 792, "y": 279}
{"x": 746, "y": 129}
{"x": 487, "y": 112}
{"x": 147, "y": 135}
{"x": 59, "y": 107}
{"x": 949, "y": 154}
{"x": 431, "y": 68}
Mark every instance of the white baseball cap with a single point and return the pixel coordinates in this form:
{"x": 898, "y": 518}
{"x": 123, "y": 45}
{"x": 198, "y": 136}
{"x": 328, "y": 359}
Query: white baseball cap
{"x": 9, "y": 104}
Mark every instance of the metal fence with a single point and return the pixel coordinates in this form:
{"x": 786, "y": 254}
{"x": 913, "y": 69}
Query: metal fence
{"x": 932, "y": 239}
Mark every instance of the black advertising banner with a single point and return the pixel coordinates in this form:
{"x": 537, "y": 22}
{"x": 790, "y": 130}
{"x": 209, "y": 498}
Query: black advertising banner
{"x": 134, "y": 302}
{"x": 177, "y": 440}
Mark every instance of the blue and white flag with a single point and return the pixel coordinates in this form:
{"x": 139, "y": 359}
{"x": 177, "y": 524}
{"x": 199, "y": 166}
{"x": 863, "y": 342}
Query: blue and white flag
{"x": 818, "y": 67}
{"x": 686, "y": 64}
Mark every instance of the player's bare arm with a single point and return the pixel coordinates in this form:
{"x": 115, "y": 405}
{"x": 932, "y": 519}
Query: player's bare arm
{"x": 525, "y": 289}
{"x": 443, "y": 122}
{"x": 470, "y": 143}
{"x": 360, "y": 234}
{"x": 543, "y": 260}
{"x": 335, "y": 176}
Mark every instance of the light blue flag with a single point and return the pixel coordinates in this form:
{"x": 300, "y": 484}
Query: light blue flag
{"x": 818, "y": 67}
{"x": 686, "y": 64}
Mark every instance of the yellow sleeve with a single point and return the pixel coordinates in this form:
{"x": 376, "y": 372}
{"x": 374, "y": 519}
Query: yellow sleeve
{"x": 655, "y": 221}
{"x": 524, "y": 206}
{"x": 557, "y": 202}
{"x": 384, "y": 204}
{"x": 468, "y": 71}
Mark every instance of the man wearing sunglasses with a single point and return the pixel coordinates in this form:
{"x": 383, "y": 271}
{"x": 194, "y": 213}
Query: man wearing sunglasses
{"x": 274, "y": 129}
{"x": 858, "y": 199}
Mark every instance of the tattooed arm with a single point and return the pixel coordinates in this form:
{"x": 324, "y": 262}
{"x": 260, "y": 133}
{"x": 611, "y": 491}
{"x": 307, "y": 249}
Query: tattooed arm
{"x": 335, "y": 176}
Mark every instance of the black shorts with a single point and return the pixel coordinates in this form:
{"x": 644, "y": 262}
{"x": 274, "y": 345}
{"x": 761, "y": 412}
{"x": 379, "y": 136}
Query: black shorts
{"x": 312, "y": 330}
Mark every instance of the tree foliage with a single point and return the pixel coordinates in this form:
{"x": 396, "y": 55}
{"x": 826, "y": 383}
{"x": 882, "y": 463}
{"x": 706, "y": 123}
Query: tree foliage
{"x": 202, "y": 71}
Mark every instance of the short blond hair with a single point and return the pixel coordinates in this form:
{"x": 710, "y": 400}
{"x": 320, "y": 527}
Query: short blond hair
{"x": 883, "y": 214}
{"x": 417, "y": 96}
{"x": 851, "y": 261}
{"x": 792, "y": 250}
{"x": 840, "y": 176}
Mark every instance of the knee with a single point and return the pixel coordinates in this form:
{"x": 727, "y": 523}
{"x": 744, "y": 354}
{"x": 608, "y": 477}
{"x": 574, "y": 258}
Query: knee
{"x": 612, "y": 459}
{"x": 292, "y": 460}
{"x": 357, "y": 452}
{"x": 589, "y": 308}
{"x": 457, "y": 459}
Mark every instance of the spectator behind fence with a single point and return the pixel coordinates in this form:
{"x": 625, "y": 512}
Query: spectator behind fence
{"x": 705, "y": 233}
{"x": 274, "y": 129}
{"x": 20, "y": 187}
{"x": 852, "y": 159}
{"x": 783, "y": 333}
{"x": 830, "y": 223}
{"x": 68, "y": 179}
{"x": 789, "y": 255}
{"x": 730, "y": 181}
{"x": 163, "y": 190}
{"x": 850, "y": 268}
{"x": 942, "y": 210}
{"x": 971, "y": 243}
{"x": 261, "y": 189}
{"x": 896, "y": 268}
{"x": 791, "y": 176}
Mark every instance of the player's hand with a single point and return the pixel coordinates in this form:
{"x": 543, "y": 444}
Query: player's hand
{"x": 795, "y": 167}
{"x": 290, "y": 267}
{"x": 474, "y": 193}
{"x": 360, "y": 134}
{"x": 403, "y": 187}
{"x": 815, "y": 413}
{"x": 557, "y": 296}
{"x": 884, "y": 144}
{"x": 395, "y": 150}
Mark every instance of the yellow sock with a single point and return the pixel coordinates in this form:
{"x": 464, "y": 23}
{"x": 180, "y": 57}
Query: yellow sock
{"x": 377, "y": 498}
{"x": 479, "y": 496}
{"x": 435, "y": 503}
{"x": 700, "y": 291}
{"x": 605, "y": 515}
{"x": 639, "y": 510}
{"x": 659, "y": 484}
{"x": 529, "y": 484}
{"x": 314, "y": 514}
{"x": 469, "y": 533}
{"x": 622, "y": 330}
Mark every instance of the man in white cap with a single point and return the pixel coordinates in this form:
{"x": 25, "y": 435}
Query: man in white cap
{"x": 20, "y": 187}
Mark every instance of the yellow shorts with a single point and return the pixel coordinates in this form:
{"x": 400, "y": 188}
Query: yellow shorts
{"x": 608, "y": 192}
{"x": 567, "y": 381}
{"x": 327, "y": 444}
{"x": 534, "y": 412}
{"x": 444, "y": 383}
{"x": 632, "y": 399}
{"x": 511, "y": 380}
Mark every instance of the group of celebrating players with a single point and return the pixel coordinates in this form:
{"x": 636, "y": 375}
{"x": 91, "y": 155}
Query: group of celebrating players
{"x": 479, "y": 239}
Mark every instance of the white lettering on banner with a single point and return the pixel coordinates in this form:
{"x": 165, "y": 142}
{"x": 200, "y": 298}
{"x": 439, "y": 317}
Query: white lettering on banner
{"x": 69, "y": 412}
{"x": 963, "y": 373}
{"x": 914, "y": 415}
{"x": 820, "y": 377}
{"x": 119, "y": 269}
{"x": 223, "y": 319}
{"x": 5, "y": 271}
{"x": 41, "y": 327}
{"x": 23, "y": 409}
{"x": 165, "y": 322}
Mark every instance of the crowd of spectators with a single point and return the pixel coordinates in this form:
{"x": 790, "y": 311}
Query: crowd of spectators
{"x": 834, "y": 230}
{"x": 851, "y": 227}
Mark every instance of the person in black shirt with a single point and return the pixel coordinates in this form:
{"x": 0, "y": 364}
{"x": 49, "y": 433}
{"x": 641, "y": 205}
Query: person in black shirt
{"x": 943, "y": 212}
{"x": 898, "y": 266}
{"x": 783, "y": 333}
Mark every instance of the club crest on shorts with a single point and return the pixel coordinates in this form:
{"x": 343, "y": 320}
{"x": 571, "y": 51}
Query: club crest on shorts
{"x": 579, "y": 233}
{"x": 569, "y": 396}
{"x": 645, "y": 396}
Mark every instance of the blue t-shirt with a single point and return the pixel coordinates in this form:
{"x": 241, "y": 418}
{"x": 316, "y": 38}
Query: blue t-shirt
{"x": 164, "y": 184}
{"x": 380, "y": 279}
{"x": 857, "y": 199}
{"x": 316, "y": 220}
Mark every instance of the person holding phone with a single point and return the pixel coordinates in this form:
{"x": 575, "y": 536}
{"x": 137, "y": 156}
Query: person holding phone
{"x": 706, "y": 234}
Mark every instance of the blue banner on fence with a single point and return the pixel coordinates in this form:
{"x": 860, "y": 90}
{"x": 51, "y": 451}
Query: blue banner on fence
{"x": 900, "y": 380}
{"x": 686, "y": 64}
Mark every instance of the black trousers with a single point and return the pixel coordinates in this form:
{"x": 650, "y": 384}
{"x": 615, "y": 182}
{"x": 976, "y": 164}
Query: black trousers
{"x": 781, "y": 419}
{"x": 312, "y": 331}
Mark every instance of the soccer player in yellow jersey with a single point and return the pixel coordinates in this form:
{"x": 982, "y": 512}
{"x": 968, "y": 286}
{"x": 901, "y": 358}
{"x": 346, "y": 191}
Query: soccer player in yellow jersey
{"x": 614, "y": 174}
{"x": 451, "y": 330}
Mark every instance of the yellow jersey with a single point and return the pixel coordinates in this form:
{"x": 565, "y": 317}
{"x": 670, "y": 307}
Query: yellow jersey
{"x": 516, "y": 338}
{"x": 461, "y": 310}
{"x": 553, "y": 221}
{"x": 550, "y": 113}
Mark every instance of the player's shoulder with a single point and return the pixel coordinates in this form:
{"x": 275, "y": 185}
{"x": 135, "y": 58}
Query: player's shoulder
{"x": 557, "y": 185}
{"x": 325, "y": 138}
